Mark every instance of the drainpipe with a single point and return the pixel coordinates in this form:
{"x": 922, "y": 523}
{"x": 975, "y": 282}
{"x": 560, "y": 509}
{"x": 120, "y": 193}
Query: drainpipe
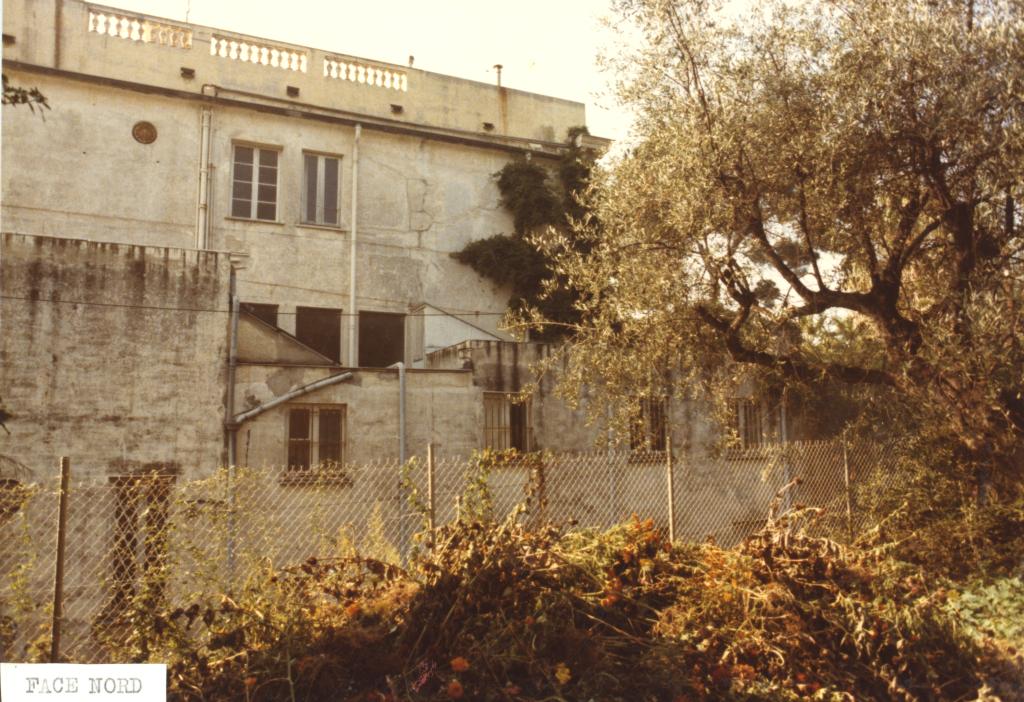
{"x": 353, "y": 358}
{"x": 202, "y": 219}
{"x": 291, "y": 395}
{"x": 401, "y": 409}
{"x": 58, "y": 22}
{"x": 230, "y": 424}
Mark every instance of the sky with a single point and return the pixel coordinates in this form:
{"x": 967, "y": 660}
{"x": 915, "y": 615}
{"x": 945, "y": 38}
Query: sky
{"x": 545, "y": 46}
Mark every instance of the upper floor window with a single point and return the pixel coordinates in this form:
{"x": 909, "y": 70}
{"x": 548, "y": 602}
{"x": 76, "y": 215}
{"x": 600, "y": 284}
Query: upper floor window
{"x": 254, "y": 183}
{"x": 321, "y": 190}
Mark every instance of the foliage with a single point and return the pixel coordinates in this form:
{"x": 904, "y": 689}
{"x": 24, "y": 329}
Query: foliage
{"x": 994, "y": 609}
{"x": 16, "y": 95}
{"x": 931, "y": 521}
{"x": 819, "y": 194}
{"x": 536, "y": 204}
{"x": 501, "y": 611}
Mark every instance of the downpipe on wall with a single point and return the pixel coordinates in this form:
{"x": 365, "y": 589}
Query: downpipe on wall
{"x": 353, "y": 358}
{"x": 202, "y": 216}
{"x": 401, "y": 409}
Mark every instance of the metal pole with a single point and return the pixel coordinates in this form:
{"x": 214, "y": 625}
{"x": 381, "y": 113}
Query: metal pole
{"x": 671, "y": 490}
{"x": 58, "y": 577}
{"x": 430, "y": 491}
{"x": 849, "y": 496}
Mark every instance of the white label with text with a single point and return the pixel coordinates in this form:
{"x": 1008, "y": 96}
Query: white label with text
{"x": 80, "y": 682}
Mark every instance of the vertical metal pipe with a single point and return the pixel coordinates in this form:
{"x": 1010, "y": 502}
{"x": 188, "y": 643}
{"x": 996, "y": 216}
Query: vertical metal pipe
{"x": 58, "y": 28}
{"x": 353, "y": 312}
{"x": 202, "y": 216}
{"x": 431, "y": 506}
{"x": 849, "y": 496}
{"x": 671, "y": 489}
{"x": 58, "y": 576}
{"x": 229, "y": 422}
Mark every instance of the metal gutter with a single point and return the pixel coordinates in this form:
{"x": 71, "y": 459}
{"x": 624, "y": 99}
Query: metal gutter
{"x": 291, "y": 395}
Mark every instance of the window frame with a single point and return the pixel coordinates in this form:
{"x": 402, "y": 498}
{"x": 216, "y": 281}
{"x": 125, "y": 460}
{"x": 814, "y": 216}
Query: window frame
{"x": 506, "y": 432}
{"x": 644, "y": 434}
{"x": 749, "y": 422}
{"x": 316, "y": 463}
{"x": 321, "y": 157}
{"x": 254, "y": 182}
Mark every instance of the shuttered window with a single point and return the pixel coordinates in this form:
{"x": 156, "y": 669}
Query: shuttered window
{"x": 321, "y": 190}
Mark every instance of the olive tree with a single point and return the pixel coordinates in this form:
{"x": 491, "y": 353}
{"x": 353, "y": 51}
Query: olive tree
{"x": 819, "y": 194}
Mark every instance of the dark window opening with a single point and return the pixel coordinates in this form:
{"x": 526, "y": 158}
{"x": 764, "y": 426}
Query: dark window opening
{"x": 748, "y": 423}
{"x": 267, "y": 313}
{"x": 650, "y": 425}
{"x": 507, "y": 422}
{"x": 316, "y": 438}
{"x": 300, "y": 439}
{"x": 381, "y": 339}
{"x": 320, "y": 329}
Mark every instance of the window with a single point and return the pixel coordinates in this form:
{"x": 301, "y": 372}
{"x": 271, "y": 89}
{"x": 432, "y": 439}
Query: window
{"x": 507, "y": 423}
{"x": 381, "y": 339}
{"x": 748, "y": 423}
{"x": 316, "y": 437}
{"x": 254, "y": 183}
{"x": 319, "y": 328}
{"x": 650, "y": 425}
{"x": 267, "y": 313}
{"x": 321, "y": 190}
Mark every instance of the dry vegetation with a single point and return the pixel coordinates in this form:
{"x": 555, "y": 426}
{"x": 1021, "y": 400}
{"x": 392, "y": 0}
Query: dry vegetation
{"x": 504, "y": 611}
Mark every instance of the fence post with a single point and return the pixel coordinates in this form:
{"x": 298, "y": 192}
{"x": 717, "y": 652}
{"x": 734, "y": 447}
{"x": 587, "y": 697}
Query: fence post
{"x": 671, "y": 489}
{"x": 849, "y": 495}
{"x": 431, "y": 505}
{"x": 58, "y": 576}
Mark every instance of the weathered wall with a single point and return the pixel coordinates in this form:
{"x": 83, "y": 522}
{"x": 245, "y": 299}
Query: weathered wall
{"x": 503, "y": 366}
{"x": 442, "y": 407}
{"x": 426, "y": 185}
{"x": 431, "y": 99}
{"x": 95, "y": 367}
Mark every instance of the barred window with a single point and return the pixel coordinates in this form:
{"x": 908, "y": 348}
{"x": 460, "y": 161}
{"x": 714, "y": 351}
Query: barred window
{"x": 650, "y": 425}
{"x": 508, "y": 424}
{"x": 748, "y": 423}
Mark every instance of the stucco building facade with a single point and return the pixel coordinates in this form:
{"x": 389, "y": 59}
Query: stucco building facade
{"x": 288, "y": 214}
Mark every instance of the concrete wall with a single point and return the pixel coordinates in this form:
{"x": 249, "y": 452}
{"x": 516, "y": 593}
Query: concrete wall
{"x": 92, "y": 371}
{"x": 429, "y": 99}
{"x": 425, "y": 176}
{"x": 443, "y": 407}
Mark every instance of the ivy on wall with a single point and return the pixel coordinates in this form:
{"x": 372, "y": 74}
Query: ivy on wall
{"x": 537, "y": 199}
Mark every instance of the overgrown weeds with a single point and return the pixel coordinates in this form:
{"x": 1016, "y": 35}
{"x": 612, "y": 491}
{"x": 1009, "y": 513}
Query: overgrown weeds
{"x": 501, "y": 611}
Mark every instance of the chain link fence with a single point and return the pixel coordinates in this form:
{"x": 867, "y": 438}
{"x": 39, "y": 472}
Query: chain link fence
{"x": 185, "y": 539}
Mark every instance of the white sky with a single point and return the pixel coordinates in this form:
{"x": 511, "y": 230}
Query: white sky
{"x": 546, "y": 46}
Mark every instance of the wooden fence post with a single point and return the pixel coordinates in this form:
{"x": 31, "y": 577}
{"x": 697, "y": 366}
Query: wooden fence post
{"x": 58, "y": 576}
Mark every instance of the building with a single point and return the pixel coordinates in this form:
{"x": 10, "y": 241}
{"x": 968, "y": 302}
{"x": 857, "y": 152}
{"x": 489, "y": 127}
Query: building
{"x": 221, "y": 248}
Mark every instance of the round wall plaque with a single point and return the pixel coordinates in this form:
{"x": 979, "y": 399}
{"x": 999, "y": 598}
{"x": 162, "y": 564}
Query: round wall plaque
{"x": 144, "y": 132}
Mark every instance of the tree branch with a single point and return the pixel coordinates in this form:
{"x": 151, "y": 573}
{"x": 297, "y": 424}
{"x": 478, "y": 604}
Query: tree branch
{"x": 786, "y": 364}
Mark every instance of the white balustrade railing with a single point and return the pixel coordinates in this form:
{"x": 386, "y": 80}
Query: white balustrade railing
{"x": 142, "y": 30}
{"x": 248, "y": 51}
{"x": 381, "y": 77}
